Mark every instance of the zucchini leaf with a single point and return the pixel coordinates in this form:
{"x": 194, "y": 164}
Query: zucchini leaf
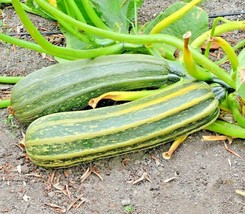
{"x": 117, "y": 15}
{"x": 240, "y": 77}
{"x": 34, "y": 8}
{"x": 196, "y": 21}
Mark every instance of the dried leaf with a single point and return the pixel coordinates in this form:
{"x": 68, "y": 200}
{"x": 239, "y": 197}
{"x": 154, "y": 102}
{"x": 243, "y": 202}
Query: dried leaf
{"x": 231, "y": 151}
{"x": 95, "y": 171}
{"x": 157, "y": 161}
{"x": 214, "y": 46}
{"x": 214, "y": 138}
{"x": 56, "y": 207}
{"x": 64, "y": 189}
{"x": 34, "y": 175}
{"x": 85, "y": 175}
{"x": 144, "y": 176}
{"x": 240, "y": 192}
{"x": 169, "y": 179}
{"x": 58, "y": 187}
{"x": 75, "y": 201}
{"x": 21, "y": 144}
{"x": 125, "y": 162}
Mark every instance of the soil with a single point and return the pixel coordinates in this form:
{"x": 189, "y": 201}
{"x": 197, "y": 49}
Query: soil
{"x": 201, "y": 177}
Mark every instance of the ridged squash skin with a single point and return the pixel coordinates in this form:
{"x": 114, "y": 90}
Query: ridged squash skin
{"x": 69, "y": 138}
{"x": 69, "y": 86}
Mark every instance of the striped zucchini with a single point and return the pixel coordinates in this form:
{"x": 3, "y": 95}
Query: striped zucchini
{"x": 69, "y": 86}
{"x": 69, "y": 138}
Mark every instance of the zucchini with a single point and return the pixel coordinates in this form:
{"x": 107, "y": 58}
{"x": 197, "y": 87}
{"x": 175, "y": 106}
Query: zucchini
{"x": 69, "y": 138}
{"x": 69, "y": 86}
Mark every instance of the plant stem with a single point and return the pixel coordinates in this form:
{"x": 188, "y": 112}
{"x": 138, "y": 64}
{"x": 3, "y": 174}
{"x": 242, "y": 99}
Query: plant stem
{"x": 135, "y": 17}
{"x": 189, "y": 62}
{"x": 215, "y": 22}
{"x": 227, "y": 129}
{"x": 22, "y": 43}
{"x": 229, "y": 52}
{"x": 93, "y": 15}
{"x": 174, "y": 17}
{"x": 79, "y": 16}
{"x": 234, "y": 25}
{"x": 10, "y": 80}
{"x": 240, "y": 44}
{"x": 74, "y": 32}
{"x": 4, "y": 103}
{"x": 76, "y": 11}
{"x": 141, "y": 39}
{"x": 65, "y": 53}
{"x": 25, "y": 7}
{"x": 236, "y": 109}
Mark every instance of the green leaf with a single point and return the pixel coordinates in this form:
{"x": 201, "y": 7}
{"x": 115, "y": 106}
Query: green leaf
{"x": 240, "y": 77}
{"x": 196, "y": 21}
{"x": 117, "y": 15}
{"x": 33, "y": 7}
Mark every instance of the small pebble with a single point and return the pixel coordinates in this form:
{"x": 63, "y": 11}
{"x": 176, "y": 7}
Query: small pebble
{"x": 125, "y": 202}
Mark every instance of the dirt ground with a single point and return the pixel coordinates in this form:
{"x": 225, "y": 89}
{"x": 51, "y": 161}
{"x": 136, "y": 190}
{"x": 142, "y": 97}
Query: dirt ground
{"x": 201, "y": 177}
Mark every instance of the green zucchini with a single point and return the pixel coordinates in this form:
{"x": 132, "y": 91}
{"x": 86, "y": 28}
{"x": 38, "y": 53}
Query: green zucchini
{"x": 69, "y": 138}
{"x": 69, "y": 86}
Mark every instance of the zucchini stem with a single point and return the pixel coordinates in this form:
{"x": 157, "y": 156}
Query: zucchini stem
{"x": 174, "y": 17}
{"x": 228, "y": 129}
{"x": 93, "y": 16}
{"x": 65, "y": 53}
{"x": 189, "y": 62}
{"x": 10, "y": 80}
{"x": 230, "y": 26}
{"x": 236, "y": 109}
{"x": 167, "y": 155}
{"x": 22, "y": 43}
{"x": 229, "y": 52}
{"x": 239, "y": 45}
{"x": 4, "y": 103}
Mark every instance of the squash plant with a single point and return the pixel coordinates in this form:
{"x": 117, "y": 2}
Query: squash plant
{"x": 95, "y": 33}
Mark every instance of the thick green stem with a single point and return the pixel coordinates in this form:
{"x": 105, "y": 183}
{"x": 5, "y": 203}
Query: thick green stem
{"x": 93, "y": 15}
{"x": 234, "y": 25}
{"x": 73, "y": 11}
{"x": 76, "y": 11}
{"x": 227, "y": 129}
{"x": 21, "y": 43}
{"x": 74, "y": 32}
{"x": 229, "y": 52}
{"x": 212, "y": 33}
{"x": 239, "y": 45}
{"x": 142, "y": 39}
{"x": 25, "y": 7}
{"x": 189, "y": 62}
{"x": 65, "y": 53}
{"x": 113, "y": 49}
{"x": 4, "y": 103}
{"x": 174, "y": 17}
{"x": 236, "y": 109}
{"x": 10, "y": 80}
